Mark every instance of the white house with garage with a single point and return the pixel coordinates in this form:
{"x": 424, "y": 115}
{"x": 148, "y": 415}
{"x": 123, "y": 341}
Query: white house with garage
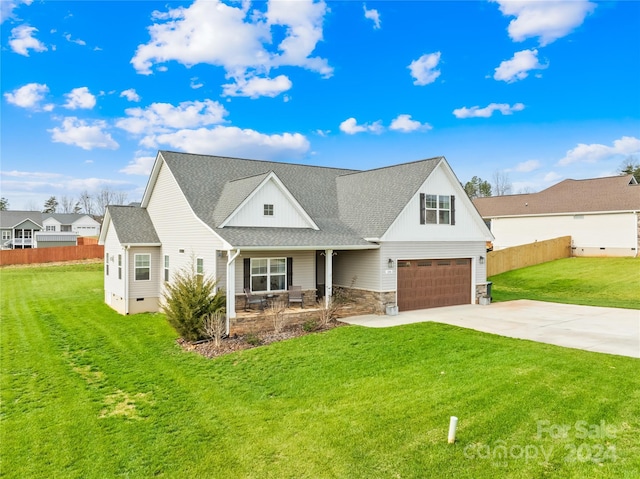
{"x": 602, "y": 216}
{"x": 404, "y": 235}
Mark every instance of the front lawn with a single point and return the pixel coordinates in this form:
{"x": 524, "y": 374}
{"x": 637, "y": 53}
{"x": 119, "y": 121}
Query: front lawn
{"x": 612, "y": 282}
{"x": 87, "y": 393}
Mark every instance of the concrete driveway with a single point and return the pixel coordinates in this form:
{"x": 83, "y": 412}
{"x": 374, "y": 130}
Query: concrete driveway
{"x": 603, "y": 330}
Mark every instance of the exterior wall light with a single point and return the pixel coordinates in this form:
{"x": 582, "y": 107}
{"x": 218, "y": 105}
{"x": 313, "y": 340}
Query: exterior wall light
{"x": 390, "y": 263}
{"x": 481, "y": 259}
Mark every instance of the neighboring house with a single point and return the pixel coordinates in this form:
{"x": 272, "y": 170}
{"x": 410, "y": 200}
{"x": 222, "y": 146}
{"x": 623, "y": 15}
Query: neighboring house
{"x": 82, "y": 225}
{"x": 19, "y": 229}
{"x": 405, "y": 234}
{"x": 602, "y": 216}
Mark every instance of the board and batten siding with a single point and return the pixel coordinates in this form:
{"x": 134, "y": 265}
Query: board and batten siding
{"x": 432, "y": 250}
{"x": 285, "y": 214}
{"x": 468, "y": 223}
{"x": 612, "y": 231}
{"x": 144, "y": 295}
{"x": 183, "y": 236}
{"x": 304, "y": 267}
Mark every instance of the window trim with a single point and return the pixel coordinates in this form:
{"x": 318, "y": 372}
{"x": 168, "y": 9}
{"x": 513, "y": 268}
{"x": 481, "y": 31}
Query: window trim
{"x": 106, "y": 264}
{"x": 136, "y": 267}
{"x": 268, "y": 210}
{"x": 119, "y": 266}
{"x": 6, "y": 235}
{"x": 166, "y": 268}
{"x": 437, "y": 211}
{"x": 268, "y": 274}
{"x": 200, "y": 266}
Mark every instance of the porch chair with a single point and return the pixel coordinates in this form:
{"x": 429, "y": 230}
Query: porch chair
{"x": 296, "y": 295}
{"x": 250, "y": 299}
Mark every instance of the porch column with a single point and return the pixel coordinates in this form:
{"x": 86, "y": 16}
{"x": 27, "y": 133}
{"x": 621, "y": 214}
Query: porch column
{"x": 328, "y": 276}
{"x": 231, "y": 285}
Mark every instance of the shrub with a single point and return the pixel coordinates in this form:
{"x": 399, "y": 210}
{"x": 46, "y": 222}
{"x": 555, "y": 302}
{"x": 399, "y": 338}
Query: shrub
{"x": 215, "y": 326}
{"x": 275, "y": 312}
{"x": 188, "y": 299}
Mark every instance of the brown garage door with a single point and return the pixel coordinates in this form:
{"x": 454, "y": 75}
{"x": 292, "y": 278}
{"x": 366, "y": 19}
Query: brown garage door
{"x": 431, "y": 283}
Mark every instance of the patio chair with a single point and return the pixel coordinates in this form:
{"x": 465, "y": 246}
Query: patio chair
{"x": 250, "y": 299}
{"x": 296, "y": 295}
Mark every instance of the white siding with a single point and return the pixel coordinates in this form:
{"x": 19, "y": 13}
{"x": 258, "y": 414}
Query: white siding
{"x": 50, "y": 222}
{"x": 114, "y": 288}
{"x": 183, "y": 236}
{"x": 86, "y": 226}
{"x": 286, "y": 214}
{"x": 145, "y": 288}
{"x": 589, "y": 231}
{"x": 359, "y": 269}
{"x": 468, "y": 223}
{"x": 304, "y": 267}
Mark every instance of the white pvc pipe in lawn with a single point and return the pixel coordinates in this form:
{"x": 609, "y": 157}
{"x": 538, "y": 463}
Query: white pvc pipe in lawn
{"x": 452, "y": 429}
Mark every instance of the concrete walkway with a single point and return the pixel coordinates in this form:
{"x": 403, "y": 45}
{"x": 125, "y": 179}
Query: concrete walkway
{"x": 603, "y": 330}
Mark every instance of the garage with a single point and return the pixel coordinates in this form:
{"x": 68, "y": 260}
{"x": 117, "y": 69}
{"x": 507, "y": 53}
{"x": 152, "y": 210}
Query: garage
{"x": 432, "y": 283}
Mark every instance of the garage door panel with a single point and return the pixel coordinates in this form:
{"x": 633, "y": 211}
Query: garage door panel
{"x": 433, "y": 283}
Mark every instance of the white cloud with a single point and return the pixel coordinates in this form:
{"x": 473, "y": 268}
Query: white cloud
{"x": 372, "y": 15}
{"x": 350, "y": 127}
{"x": 29, "y": 96}
{"x": 527, "y": 166}
{"x": 22, "y": 40}
{"x": 130, "y": 95}
{"x": 551, "y": 177}
{"x": 487, "y": 111}
{"x": 195, "y": 84}
{"x": 548, "y": 20}
{"x": 8, "y": 6}
{"x": 140, "y": 165}
{"x": 405, "y": 124}
{"x": 85, "y": 135}
{"x": 80, "y": 98}
{"x": 237, "y": 39}
{"x": 233, "y": 141}
{"x": 627, "y": 145}
{"x": 322, "y": 133}
{"x": 518, "y": 67}
{"x": 67, "y": 36}
{"x": 423, "y": 70}
{"x": 255, "y": 87}
{"x": 164, "y": 117}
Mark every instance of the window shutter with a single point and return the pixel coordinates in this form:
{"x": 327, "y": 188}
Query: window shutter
{"x": 423, "y": 210}
{"x": 453, "y": 210}
{"x": 247, "y": 272}
{"x": 289, "y": 271}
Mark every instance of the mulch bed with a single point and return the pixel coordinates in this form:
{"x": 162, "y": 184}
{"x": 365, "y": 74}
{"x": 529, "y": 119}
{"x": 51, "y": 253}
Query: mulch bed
{"x": 248, "y": 341}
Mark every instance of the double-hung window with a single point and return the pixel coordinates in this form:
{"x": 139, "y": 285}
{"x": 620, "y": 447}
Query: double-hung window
{"x": 437, "y": 209}
{"x": 119, "y": 266}
{"x": 268, "y": 274}
{"x": 142, "y": 267}
{"x": 166, "y": 268}
{"x": 200, "y": 266}
{"x": 106, "y": 264}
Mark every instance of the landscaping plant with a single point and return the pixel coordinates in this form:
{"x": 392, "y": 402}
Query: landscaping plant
{"x": 188, "y": 299}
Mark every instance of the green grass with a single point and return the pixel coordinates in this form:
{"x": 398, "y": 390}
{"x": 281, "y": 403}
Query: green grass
{"x": 612, "y": 282}
{"x": 87, "y": 393}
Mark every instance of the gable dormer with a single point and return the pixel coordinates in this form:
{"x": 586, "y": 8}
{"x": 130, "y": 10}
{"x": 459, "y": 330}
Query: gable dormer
{"x": 261, "y": 201}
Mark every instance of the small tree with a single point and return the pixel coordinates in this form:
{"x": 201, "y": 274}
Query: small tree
{"x": 4, "y": 204}
{"x": 215, "y": 326}
{"x": 188, "y": 299}
{"x": 51, "y": 205}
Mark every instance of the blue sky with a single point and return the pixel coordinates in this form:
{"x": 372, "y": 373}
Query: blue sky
{"x": 537, "y": 91}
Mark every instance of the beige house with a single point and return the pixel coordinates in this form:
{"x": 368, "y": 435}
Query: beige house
{"x": 406, "y": 235}
{"x": 602, "y": 216}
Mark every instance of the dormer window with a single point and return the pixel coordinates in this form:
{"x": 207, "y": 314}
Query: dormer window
{"x": 268, "y": 210}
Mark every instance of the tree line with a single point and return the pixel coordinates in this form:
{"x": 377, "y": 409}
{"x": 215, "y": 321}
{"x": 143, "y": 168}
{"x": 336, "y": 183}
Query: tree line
{"x": 89, "y": 204}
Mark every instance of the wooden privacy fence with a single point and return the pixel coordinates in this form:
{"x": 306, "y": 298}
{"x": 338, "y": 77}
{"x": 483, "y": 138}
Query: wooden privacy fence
{"x": 50, "y": 255}
{"x": 528, "y": 255}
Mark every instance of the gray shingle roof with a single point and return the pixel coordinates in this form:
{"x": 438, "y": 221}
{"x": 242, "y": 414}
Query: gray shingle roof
{"x": 133, "y": 225}
{"x": 614, "y": 193}
{"x": 9, "y": 218}
{"x": 63, "y": 218}
{"x": 371, "y": 200}
{"x": 346, "y": 205}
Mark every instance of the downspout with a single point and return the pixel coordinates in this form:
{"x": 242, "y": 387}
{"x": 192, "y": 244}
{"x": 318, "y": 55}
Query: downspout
{"x": 231, "y": 293}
